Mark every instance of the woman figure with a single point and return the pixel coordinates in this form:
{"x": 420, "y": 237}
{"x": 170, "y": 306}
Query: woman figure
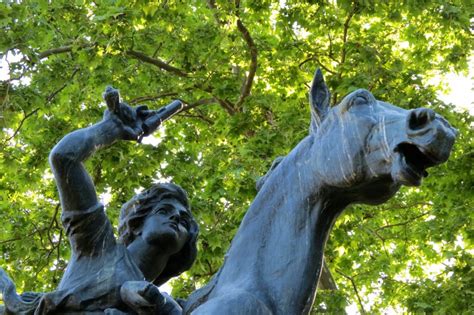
{"x": 157, "y": 233}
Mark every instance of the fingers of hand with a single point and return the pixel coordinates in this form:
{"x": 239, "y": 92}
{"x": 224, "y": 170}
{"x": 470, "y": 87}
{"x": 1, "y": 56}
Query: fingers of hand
{"x": 127, "y": 114}
{"x": 132, "y": 293}
{"x": 152, "y": 293}
{"x": 132, "y": 133}
{"x": 142, "y": 110}
{"x": 112, "y": 98}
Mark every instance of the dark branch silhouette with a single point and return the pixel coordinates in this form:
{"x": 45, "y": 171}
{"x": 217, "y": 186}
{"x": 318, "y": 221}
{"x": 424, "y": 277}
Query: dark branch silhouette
{"x": 62, "y": 50}
{"x": 351, "y": 279}
{"x": 156, "y": 62}
{"x": 247, "y": 85}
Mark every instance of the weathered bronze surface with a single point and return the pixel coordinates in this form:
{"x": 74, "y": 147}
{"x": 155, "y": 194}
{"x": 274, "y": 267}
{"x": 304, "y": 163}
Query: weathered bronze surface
{"x": 360, "y": 151}
{"x": 157, "y": 231}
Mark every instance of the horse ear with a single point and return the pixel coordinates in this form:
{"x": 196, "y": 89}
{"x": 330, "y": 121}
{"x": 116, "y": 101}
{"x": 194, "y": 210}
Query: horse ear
{"x": 319, "y": 98}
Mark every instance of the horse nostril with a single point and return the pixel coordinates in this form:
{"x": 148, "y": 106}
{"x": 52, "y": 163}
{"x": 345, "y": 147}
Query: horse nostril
{"x": 420, "y": 117}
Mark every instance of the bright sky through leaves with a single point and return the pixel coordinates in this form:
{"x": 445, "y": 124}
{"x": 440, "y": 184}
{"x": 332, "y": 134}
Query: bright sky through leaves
{"x": 247, "y": 83}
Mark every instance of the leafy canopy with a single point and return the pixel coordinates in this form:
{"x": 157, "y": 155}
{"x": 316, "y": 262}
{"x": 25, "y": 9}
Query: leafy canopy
{"x": 243, "y": 69}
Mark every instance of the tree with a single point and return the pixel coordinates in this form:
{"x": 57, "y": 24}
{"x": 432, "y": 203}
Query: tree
{"x": 243, "y": 69}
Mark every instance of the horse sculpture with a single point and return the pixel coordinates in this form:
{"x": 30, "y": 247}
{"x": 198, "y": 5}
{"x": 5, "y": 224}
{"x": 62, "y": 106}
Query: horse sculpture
{"x": 360, "y": 151}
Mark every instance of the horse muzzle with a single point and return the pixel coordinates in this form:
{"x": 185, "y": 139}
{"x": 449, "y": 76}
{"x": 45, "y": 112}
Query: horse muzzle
{"x": 429, "y": 141}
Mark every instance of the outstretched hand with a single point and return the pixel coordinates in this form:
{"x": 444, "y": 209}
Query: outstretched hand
{"x": 129, "y": 119}
{"x": 144, "y": 298}
{"x": 136, "y": 122}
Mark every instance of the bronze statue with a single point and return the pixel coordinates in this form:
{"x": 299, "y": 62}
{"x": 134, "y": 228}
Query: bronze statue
{"x": 157, "y": 231}
{"x": 360, "y": 151}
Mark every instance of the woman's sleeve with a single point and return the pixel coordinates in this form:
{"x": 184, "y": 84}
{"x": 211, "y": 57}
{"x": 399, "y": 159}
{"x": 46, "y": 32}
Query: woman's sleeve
{"x": 90, "y": 232}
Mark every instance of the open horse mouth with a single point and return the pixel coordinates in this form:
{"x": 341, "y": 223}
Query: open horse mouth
{"x": 412, "y": 162}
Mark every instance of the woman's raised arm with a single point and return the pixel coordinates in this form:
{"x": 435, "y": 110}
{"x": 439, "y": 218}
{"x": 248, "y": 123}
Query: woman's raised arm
{"x": 76, "y": 189}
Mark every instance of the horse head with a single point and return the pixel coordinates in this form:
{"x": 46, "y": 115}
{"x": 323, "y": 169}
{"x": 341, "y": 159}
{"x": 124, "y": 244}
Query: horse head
{"x": 366, "y": 149}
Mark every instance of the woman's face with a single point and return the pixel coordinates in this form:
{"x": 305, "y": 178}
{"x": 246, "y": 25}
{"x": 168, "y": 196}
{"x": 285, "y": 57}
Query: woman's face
{"x": 167, "y": 226}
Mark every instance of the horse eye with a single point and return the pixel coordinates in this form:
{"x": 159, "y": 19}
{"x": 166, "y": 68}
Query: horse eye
{"x": 359, "y": 100}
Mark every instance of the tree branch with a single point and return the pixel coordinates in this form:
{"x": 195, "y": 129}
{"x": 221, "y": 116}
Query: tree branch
{"x": 351, "y": 279}
{"x": 331, "y": 52}
{"x": 53, "y": 94}
{"x": 48, "y": 230}
{"x": 314, "y": 57}
{"x": 204, "y": 101}
{"x": 21, "y": 123}
{"x": 152, "y": 97}
{"x": 58, "y": 250}
{"x": 61, "y": 50}
{"x": 39, "y": 231}
{"x": 48, "y": 100}
{"x": 14, "y": 239}
{"x": 226, "y": 105}
{"x": 376, "y": 233}
{"x": 399, "y": 206}
{"x": 402, "y": 223}
{"x": 344, "y": 43}
{"x": 132, "y": 53}
{"x": 19, "y": 238}
{"x": 211, "y": 4}
{"x": 247, "y": 85}
{"x": 346, "y": 31}
{"x": 4, "y": 90}
{"x": 211, "y": 270}
{"x": 157, "y": 62}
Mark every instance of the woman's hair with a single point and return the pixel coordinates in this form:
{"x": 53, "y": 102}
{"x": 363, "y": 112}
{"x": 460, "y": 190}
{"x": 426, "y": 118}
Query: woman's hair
{"x": 132, "y": 217}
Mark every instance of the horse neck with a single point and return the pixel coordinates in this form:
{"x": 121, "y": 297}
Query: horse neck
{"x": 281, "y": 239}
